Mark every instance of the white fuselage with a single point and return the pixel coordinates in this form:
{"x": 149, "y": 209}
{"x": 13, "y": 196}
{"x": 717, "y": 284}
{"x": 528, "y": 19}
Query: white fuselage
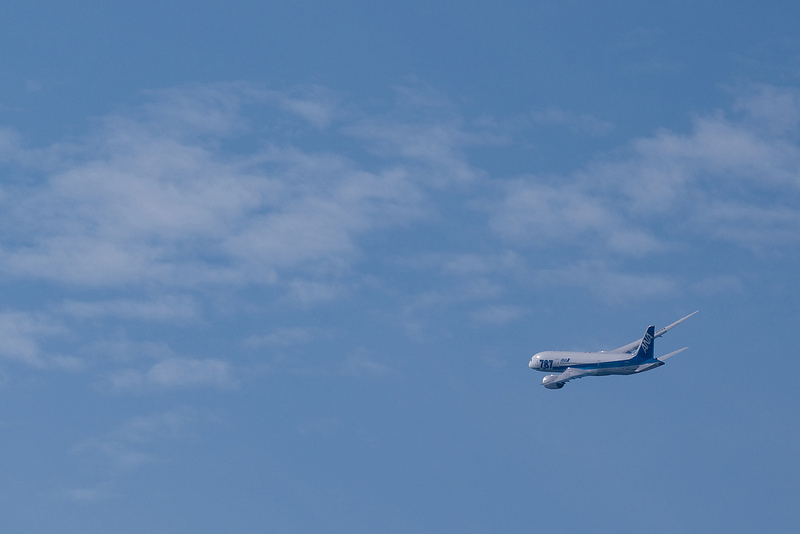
{"x": 606, "y": 363}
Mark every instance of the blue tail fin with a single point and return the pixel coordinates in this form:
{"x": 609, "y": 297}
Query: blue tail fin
{"x": 645, "y": 350}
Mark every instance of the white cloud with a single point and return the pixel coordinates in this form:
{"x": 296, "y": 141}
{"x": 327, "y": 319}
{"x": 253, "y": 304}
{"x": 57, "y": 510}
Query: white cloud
{"x": 285, "y": 337}
{"x": 324, "y": 426}
{"x": 87, "y": 495}
{"x": 471, "y": 264}
{"x": 429, "y": 139}
{"x": 194, "y": 111}
{"x": 497, "y": 314}
{"x": 20, "y": 340}
{"x": 119, "y": 348}
{"x": 191, "y": 194}
{"x": 152, "y": 197}
{"x": 775, "y": 108}
{"x": 606, "y": 281}
{"x": 547, "y": 215}
{"x": 716, "y": 285}
{"x": 364, "y": 363}
{"x": 735, "y": 179}
{"x": 315, "y": 104}
{"x": 135, "y": 442}
{"x": 126, "y": 379}
{"x": 190, "y": 372}
{"x": 435, "y": 148}
{"x": 176, "y": 373}
{"x": 165, "y": 308}
{"x": 759, "y": 228}
{"x": 575, "y": 122}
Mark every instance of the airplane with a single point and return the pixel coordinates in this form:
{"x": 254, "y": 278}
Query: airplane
{"x": 635, "y": 357}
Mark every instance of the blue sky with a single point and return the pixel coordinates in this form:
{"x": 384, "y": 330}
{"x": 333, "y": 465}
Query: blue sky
{"x": 281, "y": 266}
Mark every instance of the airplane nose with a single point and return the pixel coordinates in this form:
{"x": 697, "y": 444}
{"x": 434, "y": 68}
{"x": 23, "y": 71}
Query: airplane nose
{"x": 532, "y": 363}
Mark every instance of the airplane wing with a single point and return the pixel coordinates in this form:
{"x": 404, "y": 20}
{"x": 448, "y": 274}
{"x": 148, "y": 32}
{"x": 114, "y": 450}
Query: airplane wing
{"x": 571, "y": 373}
{"x": 633, "y": 345}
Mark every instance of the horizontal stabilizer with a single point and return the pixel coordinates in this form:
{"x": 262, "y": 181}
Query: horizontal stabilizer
{"x": 664, "y": 357}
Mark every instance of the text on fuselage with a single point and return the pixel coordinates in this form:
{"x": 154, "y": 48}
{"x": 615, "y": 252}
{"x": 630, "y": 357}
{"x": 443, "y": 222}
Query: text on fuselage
{"x": 548, "y": 364}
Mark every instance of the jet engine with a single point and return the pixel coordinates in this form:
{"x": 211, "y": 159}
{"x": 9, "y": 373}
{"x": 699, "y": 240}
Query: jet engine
{"x": 548, "y": 382}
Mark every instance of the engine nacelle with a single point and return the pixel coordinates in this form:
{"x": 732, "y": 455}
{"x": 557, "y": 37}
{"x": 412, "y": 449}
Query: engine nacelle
{"x": 549, "y": 380}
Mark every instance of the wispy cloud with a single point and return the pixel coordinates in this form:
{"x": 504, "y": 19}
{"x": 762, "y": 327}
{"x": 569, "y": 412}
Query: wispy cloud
{"x": 97, "y": 493}
{"x": 734, "y": 177}
{"x": 774, "y": 109}
{"x": 579, "y": 123}
{"x": 20, "y": 340}
{"x": 165, "y": 308}
{"x": 286, "y": 337}
{"x": 567, "y": 215}
{"x": 364, "y": 363}
{"x": 316, "y": 104}
{"x": 153, "y": 197}
{"x": 429, "y": 138}
{"x": 498, "y": 314}
{"x": 219, "y": 189}
{"x": 610, "y": 283}
{"x": 176, "y": 373}
{"x": 135, "y": 442}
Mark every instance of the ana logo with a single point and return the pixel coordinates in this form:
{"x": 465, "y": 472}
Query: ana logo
{"x": 646, "y": 342}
